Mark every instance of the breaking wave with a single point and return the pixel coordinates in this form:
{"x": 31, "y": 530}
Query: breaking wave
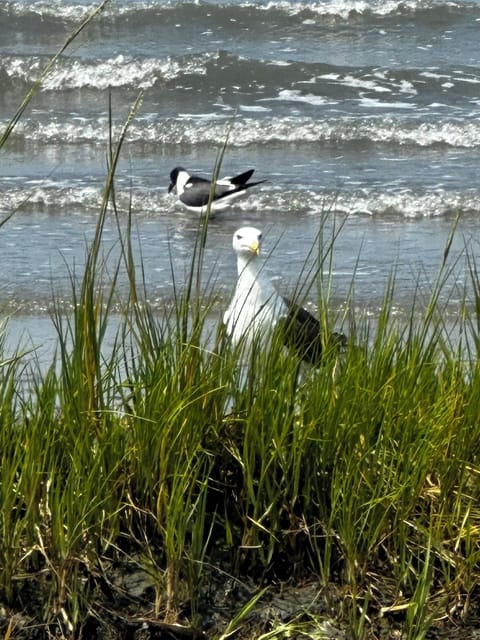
{"x": 337, "y": 8}
{"x": 205, "y": 129}
{"x": 59, "y": 199}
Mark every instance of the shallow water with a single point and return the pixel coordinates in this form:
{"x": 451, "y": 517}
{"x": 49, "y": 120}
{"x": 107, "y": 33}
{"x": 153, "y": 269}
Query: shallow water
{"x": 361, "y": 113}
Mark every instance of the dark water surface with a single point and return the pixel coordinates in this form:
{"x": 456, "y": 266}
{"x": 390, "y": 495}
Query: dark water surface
{"x": 365, "y": 112}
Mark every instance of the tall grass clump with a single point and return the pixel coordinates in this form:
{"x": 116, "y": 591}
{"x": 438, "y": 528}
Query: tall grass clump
{"x": 14, "y": 512}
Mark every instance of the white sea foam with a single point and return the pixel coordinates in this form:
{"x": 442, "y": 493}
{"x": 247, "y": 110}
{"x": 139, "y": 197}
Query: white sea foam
{"x": 379, "y": 83}
{"x": 294, "y": 95}
{"x": 406, "y": 204}
{"x": 84, "y": 201}
{"x": 54, "y": 8}
{"x": 434, "y": 76}
{"x": 344, "y": 8}
{"x": 382, "y": 104}
{"x": 66, "y": 11}
{"x": 76, "y": 131}
{"x": 190, "y": 131}
{"x": 120, "y": 71}
{"x": 470, "y": 79}
{"x": 341, "y": 9}
{"x": 253, "y": 108}
{"x": 388, "y": 130}
{"x": 50, "y": 195}
{"x": 362, "y": 83}
{"x": 279, "y": 63}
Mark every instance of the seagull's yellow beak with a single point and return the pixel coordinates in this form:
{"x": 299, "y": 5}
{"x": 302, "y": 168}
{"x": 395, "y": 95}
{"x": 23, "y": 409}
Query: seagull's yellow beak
{"x": 255, "y": 247}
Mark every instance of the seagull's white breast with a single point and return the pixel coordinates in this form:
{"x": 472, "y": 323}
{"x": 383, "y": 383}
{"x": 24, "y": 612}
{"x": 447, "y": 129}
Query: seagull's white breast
{"x": 254, "y": 311}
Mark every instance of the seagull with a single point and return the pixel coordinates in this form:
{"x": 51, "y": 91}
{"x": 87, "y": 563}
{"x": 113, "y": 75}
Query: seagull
{"x": 194, "y": 191}
{"x": 257, "y": 307}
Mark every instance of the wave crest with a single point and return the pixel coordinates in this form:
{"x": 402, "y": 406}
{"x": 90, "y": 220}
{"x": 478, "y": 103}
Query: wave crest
{"x": 120, "y": 71}
{"x": 205, "y": 129}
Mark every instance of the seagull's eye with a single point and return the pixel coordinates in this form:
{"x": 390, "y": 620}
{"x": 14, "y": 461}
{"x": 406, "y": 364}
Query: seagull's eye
{"x": 260, "y": 236}
{"x": 239, "y": 237}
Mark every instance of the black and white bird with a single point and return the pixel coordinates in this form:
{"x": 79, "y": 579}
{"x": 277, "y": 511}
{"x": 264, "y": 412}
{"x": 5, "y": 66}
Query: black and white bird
{"x": 194, "y": 191}
{"x": 257, "y": 308}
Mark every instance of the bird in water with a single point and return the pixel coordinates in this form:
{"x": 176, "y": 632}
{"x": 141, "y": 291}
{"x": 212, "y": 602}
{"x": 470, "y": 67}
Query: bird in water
{"x": 194, "y": 192}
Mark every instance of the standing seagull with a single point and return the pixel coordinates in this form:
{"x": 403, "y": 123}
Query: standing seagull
{"x": 194, "y": 191}
{"x": 257, "y": 308}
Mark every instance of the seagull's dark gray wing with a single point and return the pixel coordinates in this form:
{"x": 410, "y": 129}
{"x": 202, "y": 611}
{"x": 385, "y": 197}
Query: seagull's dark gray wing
{"x": 303, "y": 333}
{"x": 197, "y": 192}
{"x": 197, "y": 180}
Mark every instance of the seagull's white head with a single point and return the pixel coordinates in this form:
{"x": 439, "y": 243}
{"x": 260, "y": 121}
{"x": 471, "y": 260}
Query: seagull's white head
{"x": 247, "y": 242}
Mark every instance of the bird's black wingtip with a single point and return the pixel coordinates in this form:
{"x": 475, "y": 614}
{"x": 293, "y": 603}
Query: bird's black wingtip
{"x": 242, "y": 178}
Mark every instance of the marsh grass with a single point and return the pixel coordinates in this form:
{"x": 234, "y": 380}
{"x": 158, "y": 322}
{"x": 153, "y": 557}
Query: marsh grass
{"x": 119, "y": 460}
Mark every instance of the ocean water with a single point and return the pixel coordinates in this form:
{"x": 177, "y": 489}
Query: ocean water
{"x": 361, "y": 115}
